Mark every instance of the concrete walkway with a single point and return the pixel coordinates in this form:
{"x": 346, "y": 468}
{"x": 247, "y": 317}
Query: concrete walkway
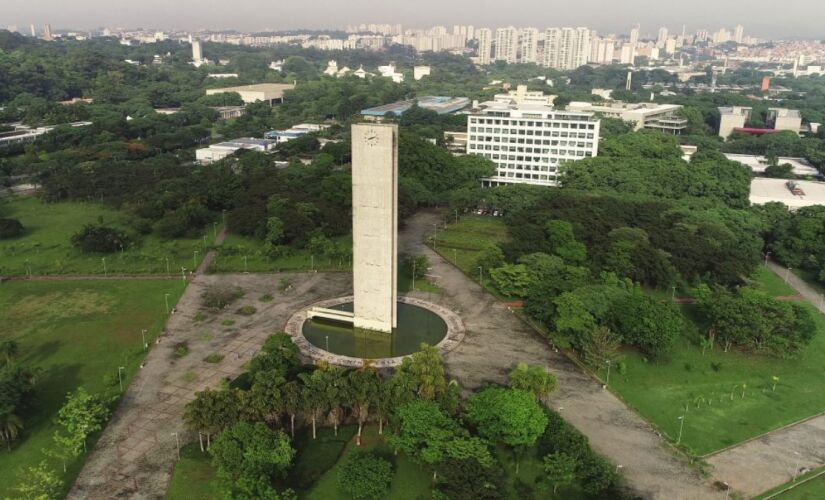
{"x": 775, "y": 458}
{"x": 496, "y": 340}
{"x": 135, "y": 455}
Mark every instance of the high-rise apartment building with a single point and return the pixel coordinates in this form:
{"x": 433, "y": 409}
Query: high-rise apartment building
{"x": 197, "y": 52}
{"x": 566, "y": 48}
{"x": 634, "y": 36}
{"x": 47, "y": 32}
{"x": 528, "y": 142}
{"x": 507, "y": 45}
{"x": 602, "y": 50}
{"x": 738, "y": 33}
{"x": 485, "y": 46}
{"x": 662, "y": 38}
{"x": 529, "y": 45}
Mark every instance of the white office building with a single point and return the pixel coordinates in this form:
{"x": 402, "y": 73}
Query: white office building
{"x": 528, "y": 142}
{"x": 507, "y": 45}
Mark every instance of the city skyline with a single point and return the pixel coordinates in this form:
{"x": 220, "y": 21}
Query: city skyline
{"x": 799, "y": 19}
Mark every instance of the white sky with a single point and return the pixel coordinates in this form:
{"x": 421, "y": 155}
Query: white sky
{"x": 763, "y": 18}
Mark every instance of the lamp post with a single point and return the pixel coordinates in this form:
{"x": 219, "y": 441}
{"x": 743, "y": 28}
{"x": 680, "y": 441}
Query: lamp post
{"x": 788, "y": 274}
{"x": 177, "y": 443}
{"x": 681, "y": 427}
{"x": 480, "y": 274}
{"x": 168, "y": 271}
{"x": 195, "y": 260}
{"x": 796, "y": 468}
{"x": 455, "y": 257}
{"x": 607, "y": 379}
{"x": 727, "y": 490}
{"x": 456, "y": 216}
{"x": 183, "y": 273}
{"x": 435, "y": 235}
{"x": 105, "y": 274}
{"x": 767, "y": 256}
{"x": 326, "y": 342}
{"x": 143, "y": 336}
{"x": 120, "y": 376}
{"x": 620, "y": 466}
{"x": 166, "y": 301}
{"x": 413, "y": 274}
{"x": 215, "y": 230}
{"x": 244, "y": 264}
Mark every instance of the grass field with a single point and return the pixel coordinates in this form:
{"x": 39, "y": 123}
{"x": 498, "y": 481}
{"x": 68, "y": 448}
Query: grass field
{"x": 768, "y": 282}
{"x": 710, "y": 386}
{"x": 46, "y": 247}
{"x": 74, "y": 333}
{"x": 806, "y": 489}
{"x": 194, "y": 476}
{"x": 245, "y": 254}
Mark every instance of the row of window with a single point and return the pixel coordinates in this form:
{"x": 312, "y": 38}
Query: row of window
{"x": 543, "y": 123}
{"x": 552, "y": 152}
{"x": 504, "y": 167}
{"x": 496, "y": 147}
{"x": 547, "y": 133}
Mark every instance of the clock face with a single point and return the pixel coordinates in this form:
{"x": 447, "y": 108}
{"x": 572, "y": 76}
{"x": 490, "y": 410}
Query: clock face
{"x": 371, "y": 138}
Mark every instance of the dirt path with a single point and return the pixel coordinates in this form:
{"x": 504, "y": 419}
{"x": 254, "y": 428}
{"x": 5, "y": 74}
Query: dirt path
{"x": 136, "y": 453}
{"x": 496, "y": 340}
{"x": 775, "y": 458}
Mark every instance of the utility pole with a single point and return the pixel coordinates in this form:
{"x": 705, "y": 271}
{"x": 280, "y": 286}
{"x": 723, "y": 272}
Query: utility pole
{"x": 681, "y": 427}
{"x": 120, "y": 376}
{"x": 143, "y": 335}
{"x": 166, "y": 301}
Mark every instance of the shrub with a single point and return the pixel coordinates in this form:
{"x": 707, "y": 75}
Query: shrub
{"x": 267, "y": 297}
{"x": 215, "y": 357}
{"x": 219, "y": 297}
{"x": 228, "y": 322}
{"x": 181, "y": 350}
{"x": 365, "y": 476}
{"x": 100, "y": 239}
{"x": 246, "y": 311}
{"x": 10, "y": 228}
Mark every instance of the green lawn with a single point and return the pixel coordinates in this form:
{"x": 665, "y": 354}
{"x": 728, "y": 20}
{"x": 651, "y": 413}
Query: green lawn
{"x": 46, "y": 247}
{"x": 193, "y": 476}
{"x": 813, "y": 489}
{"x": 768, "y": 282}
{"x": 74, "y": 333}
{"x": 705, "y": 383}
{"x": 244, "y": 254}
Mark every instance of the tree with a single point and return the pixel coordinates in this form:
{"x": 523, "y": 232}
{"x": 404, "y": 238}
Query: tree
{"x": 279, "y": 354}
{"x": 211, "y": 412}
{"x": 643, "y": 321}
{"x": 563, "y": 242}
{"x": 533, "y": 379}
{"x": 598, "y": 346}
{"x": 39, "y": 482}
{"x": 293, "y": 402}
{"x": 314, "y": 395}
{"x": 512, "y": 280}
{"x": 264, "y": 400}
{"x": 248, "y": 457}
{"x": 365, "y": 476}
{"x": 416, "y": 266}
{"x": 510, "y": 416}
{"x": 9, "y": 349}
{"x": 10, "y": 427}
{"x": 467, "y": 479}
{"x": 82, "y": 415}
{"x": 491, "y": 257}
{"x": 560, "y": 469}
{"x": 10, "y": 228}
{"x": 423, "y": 432}
{"x": 100, "y": 239}
{"x": 423, "y": 373}
{"x": 364, "y": 385}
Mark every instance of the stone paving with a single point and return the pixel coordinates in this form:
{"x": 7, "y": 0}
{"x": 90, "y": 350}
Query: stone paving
{"x": 136, "y": 453}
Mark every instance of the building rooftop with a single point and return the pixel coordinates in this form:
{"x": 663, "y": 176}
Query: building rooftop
{"x": 765, "y": 190}
{"x": 786, "y": 113}
{"x": 440, "y": 104}
{"x": 759, "y": 163}
{"x": 735, "y": 110}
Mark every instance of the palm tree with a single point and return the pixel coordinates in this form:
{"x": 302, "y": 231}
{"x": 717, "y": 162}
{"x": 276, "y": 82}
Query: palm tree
{"x": 314, "y": 394}
{"x": 293, "y": 402}
{"x": 336, "y": 394}
{"x": 363, "y": 392}
{"x": 9, "y": 349}
{"x": 266, "y": 399}
{"x": 10, "y": 427}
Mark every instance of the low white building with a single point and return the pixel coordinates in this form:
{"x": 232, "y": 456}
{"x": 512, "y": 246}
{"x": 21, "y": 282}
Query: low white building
{"x": 764, "y": 190}
{"x": 758, "y": 164}
{"x": 272, "y": 93}
{"x": 528, "y": 142}
{"x": 217, "y": 152}
{"x": 420, "y": 72}
{"x": 389, "y": 72}
{"x": 662, "y": 117}
{"x": 281, "y": 136}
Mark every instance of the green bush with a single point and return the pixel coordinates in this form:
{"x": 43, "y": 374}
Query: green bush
{"x": 181, "y": 350}
{"x": 214, "y": 358}
{"x": 10, "y": 228}
{"x": 246, "y": 311}
{"x": 100, "y": 239}
{"x": 267, "y": 297}
{"x": 365, "y": 476}
{"x": 220, "y": 297}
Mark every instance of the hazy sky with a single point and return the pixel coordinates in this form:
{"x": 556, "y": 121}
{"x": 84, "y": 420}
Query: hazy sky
{"x": 765, "y": 18}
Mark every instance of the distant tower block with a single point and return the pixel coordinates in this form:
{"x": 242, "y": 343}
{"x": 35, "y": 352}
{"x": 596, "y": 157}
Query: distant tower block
{"x": 375, "y": 226}
{"x": 197, "y": 52}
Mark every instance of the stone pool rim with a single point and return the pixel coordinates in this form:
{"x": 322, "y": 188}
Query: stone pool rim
{"x": 294, "y": 328}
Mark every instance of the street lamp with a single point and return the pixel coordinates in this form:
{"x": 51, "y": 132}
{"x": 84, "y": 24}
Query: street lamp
{"x": 168, "y": 271}
{"x": 143, "y": 335}
{"x": 673, "y": 293}
{"x": 177, "y": 442}
{"x": 244, "y": 264}
{"x": 413, "y": 274}
{"x": 607, "y": 380}
{"x": 195, "y": 260}
{"x": 480, "y": 273}
{"x": 767, "y": 256}
{"x": 796, "y": 468}
{"x": 105, "y": 274}
{"x": 120, "y": 376}
{"x": 727, "y": 490}
{"x": 326, "y": 340}
{"x": 620, "y": 466}
{"x": 455, "y": 257}
{"x": 166, "y": 301}
{"x": 215, "y": 229}
{"x": 183, "y": 273}
{"x": 787, "y": 274}
{"x": 435, "y": 235}
{"x": 681, "y": 426}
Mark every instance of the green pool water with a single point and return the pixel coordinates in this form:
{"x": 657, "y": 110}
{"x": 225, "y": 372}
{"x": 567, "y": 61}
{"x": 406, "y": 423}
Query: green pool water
{"x": 416, "y": 325}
